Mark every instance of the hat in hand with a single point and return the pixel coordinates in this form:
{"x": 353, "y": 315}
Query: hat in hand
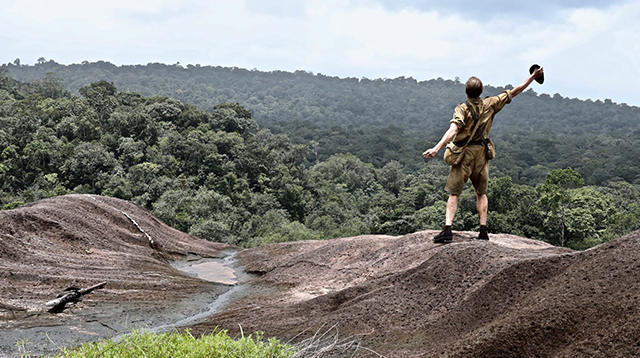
{"x": 534, "y": 67}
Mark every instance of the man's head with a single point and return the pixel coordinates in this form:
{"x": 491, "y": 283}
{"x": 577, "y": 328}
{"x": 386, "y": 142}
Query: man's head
{"x": 473, "y": 87}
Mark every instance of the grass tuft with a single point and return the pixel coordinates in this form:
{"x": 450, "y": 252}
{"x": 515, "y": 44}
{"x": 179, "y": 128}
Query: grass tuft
{"x": 184, "y": 344}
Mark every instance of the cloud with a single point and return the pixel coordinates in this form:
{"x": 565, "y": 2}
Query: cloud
{"x": 589, "y": 49}
{"x": 604, "y": 63}
{"x": 487, "y": 10}
{"x": 282, "y": 8}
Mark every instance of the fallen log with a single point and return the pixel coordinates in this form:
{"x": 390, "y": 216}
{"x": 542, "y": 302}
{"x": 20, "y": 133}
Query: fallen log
{"x": 71, "y": 294}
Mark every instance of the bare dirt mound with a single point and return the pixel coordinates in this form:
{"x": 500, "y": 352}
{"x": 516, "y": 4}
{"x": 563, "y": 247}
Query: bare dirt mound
{"x": 401, "y": 296}
{"x": 81, "y": 240}
{"x": 407, "y": 297}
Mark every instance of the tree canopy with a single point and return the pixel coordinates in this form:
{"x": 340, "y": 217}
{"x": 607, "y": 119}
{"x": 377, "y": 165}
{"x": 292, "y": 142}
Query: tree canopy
{"x": 218, "y": 173}
{"x": 384, "y": 120}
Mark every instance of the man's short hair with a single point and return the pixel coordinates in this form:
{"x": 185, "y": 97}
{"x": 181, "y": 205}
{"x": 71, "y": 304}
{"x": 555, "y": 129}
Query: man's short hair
{"x": 473, "y": 87}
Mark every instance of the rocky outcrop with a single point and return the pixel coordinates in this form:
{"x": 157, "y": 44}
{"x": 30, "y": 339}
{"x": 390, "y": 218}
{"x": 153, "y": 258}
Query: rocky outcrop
{"x": 81, "y": 240}
{"x": 407, "y": 297}
{"x": 399, "y": 296}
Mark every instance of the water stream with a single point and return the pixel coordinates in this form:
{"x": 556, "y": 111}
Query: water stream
{"x": 213, "y": 272}
{"x": 46, "y": 333}
{"x": 225, "y": 271}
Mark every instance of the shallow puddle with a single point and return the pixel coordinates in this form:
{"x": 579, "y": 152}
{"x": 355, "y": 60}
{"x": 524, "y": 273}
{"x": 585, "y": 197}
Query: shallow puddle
{"x": 113, "y": 320}
{"x": 213, "y": 272}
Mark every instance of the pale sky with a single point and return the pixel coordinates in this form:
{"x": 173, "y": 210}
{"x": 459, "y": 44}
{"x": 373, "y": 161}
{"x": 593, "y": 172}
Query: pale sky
{"x": 589, "y": 49}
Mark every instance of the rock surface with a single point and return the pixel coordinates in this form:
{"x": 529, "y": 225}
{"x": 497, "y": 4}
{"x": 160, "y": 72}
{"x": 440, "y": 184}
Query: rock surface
{"x": 82, "y": 240}
{"x": 400, "y": 296}
{"x": 407, "y": 297}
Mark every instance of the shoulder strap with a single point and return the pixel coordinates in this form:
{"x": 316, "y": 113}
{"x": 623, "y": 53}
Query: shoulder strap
{"x": 476, "y": 124}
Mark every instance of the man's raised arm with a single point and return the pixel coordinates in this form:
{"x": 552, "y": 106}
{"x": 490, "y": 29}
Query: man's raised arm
{"x": 521, "y": 87}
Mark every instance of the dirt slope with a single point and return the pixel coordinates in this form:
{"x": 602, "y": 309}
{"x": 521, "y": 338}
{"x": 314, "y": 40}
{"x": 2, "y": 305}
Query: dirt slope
{"x": 81, "y": 240}
{"x": 402, "y": 296}
{"x": 408, "y": 297}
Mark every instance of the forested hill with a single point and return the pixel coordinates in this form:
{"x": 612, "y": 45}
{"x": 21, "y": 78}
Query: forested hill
{"x": 217, "y": 175}
{"x": 280, "y": 96}
{"x": 272, "y": 96}
{"x": 383, "y": 120}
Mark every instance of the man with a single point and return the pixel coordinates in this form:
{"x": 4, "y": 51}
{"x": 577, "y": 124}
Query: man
{"x": 474, "y": 164}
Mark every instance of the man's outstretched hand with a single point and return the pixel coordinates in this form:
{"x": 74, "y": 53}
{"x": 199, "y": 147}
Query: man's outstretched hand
{"x": 446, "y": 138}
{"x": 430, "y": 153}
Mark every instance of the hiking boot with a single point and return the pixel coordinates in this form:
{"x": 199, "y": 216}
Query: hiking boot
{"x": 444, "y": 236}
{"x": 483, "y": 234}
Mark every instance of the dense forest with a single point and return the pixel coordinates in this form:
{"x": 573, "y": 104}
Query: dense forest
{"x": 384, "y": 120}
{"x": 215, "y": 171}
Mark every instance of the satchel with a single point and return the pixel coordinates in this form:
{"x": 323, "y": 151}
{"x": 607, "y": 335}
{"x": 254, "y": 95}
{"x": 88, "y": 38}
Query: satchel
{"x": 490, "y": 149}
{"x": 453, "y": 154}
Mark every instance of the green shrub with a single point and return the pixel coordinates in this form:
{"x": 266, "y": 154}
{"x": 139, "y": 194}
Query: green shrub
{"x": 12, "y": 205}
{"x": 216, "y": 344}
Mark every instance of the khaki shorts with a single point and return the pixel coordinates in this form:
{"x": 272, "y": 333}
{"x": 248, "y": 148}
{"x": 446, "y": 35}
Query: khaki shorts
{"x": 474, "y": 166}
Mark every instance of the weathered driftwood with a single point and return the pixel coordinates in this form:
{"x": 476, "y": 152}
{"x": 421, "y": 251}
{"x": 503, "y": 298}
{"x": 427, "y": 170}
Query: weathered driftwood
{"x": 71, "y": 294}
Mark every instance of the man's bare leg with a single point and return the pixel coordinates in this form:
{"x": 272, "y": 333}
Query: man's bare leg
{"x": 483, "y": 207}
{"x": 452, "y": 209}
{"x": 446, "y": 235}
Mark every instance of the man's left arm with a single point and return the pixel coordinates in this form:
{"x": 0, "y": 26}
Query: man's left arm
{"x": 446, "y": 138}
